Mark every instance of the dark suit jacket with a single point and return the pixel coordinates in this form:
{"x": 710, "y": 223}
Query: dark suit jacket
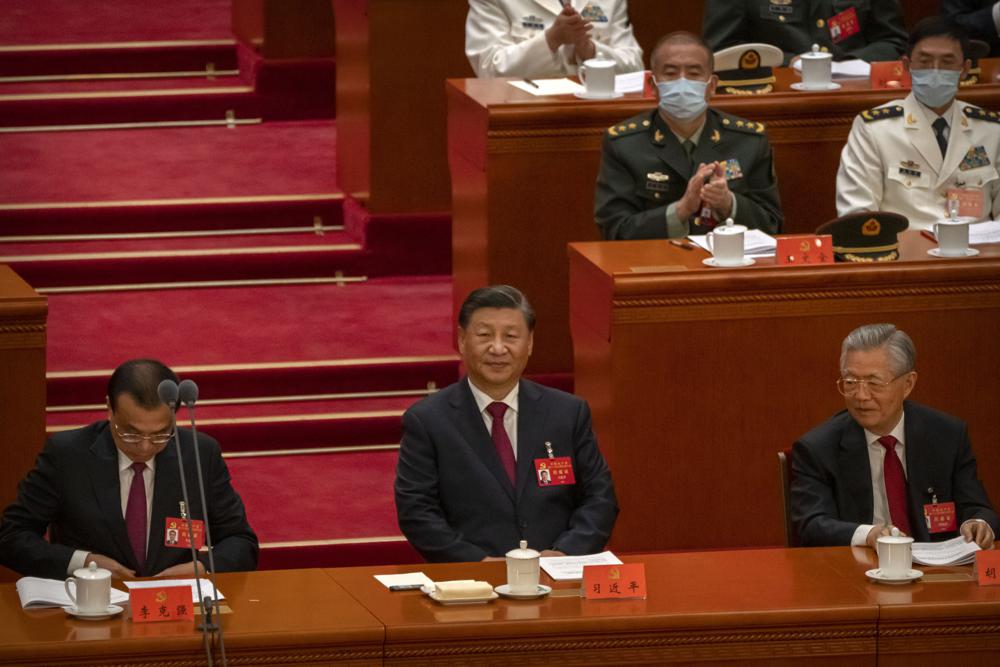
{"x": 832, "y": 482}
{"x": 976, "y": 16}
{"x": 796, "y": 26}
{"x": 73, "y": 492}
{"x": 629, "y": 204}
{"x": 455, "y": 502}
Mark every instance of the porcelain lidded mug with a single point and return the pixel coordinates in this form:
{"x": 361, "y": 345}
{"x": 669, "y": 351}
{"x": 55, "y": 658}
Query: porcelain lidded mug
{"x": 598, "y": 77}
{"x": 726, "y": 243}
{"x": 895, "y": 555}
{"x": 817, "y": 68}
{"x": 523, "y": 570}
{"x": 92, "y": 586}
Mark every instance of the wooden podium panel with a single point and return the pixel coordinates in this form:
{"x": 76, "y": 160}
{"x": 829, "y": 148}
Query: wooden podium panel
{"x": 697, "y": 377}
{"x": 22, "y": 380}
{"x": 523, "y": 170}
{"x": 291, "y": 617}
{"x": 393, "y": 57}
{"x": 771, "y": 606}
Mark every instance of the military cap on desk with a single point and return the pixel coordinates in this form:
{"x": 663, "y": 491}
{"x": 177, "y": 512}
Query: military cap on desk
{"x": 977, "y": 50}
{"x": 868, "y": 236}
{"x": 747, "y": 69}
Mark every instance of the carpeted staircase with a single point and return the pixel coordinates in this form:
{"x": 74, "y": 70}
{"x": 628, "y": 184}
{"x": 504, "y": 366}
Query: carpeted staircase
{"x": 170, "y": 205}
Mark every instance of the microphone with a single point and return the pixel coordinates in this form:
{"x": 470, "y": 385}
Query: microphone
{"x": 168, "y": 393}
{"x": 188, "y": 395}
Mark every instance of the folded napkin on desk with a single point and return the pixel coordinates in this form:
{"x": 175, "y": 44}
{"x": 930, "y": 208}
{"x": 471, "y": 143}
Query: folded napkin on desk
{"x": 466, "y": 588}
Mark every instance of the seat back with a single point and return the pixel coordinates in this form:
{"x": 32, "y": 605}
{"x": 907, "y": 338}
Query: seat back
{"x": 785, "y": 476}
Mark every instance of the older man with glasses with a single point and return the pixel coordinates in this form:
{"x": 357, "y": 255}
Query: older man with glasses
{"x": 107, "y": 493}
{"x": 886, "y": 462}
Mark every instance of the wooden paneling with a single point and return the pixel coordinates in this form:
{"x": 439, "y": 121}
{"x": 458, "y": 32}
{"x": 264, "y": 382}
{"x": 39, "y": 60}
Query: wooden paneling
{"x": 523, "y": 172}
{"x": 698, "y": 377}
{"x": 286, "y": 28}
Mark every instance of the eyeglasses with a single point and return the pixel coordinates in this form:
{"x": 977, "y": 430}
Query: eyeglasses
{"x": 851, "y": 386}
{"x": 136, "y": 438}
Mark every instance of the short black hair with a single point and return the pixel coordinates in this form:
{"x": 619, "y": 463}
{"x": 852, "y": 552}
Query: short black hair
{"x": 496, "y": 296}
{"x": 938, "y": 26}
{"x": 139, "y": 378}
{"x": 682, "y": 37}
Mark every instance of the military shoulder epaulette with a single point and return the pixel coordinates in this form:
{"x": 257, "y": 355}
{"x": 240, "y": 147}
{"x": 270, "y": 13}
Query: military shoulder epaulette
{"x": 741, "y": 124}
{"x": 982, "y": 114}
{"x": 627, "y": 127}
{"x": 879, "y": 113}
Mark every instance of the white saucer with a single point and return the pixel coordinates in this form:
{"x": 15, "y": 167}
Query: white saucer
{"x": 877, "y": 576}
{"x": 710, "y": 261}
{"x": 584, "y": 95}
{"x": 112, "y": 610}
{"x": 504, "y": 590}
{"x": 809, "y": 89}
{"x": 936, "y": 252}
{"x": 431, "y": 592}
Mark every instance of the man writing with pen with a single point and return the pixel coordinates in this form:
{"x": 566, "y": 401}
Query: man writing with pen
{"x": 683, "y": 168}
{"x": 548, "y": 38}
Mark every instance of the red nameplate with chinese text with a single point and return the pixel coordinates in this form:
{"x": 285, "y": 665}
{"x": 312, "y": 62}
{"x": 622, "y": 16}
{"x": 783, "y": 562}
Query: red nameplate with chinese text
{"x": 602, "y": 582}
{"x": 804, "y": 250}
{"x": 168, "y": 603}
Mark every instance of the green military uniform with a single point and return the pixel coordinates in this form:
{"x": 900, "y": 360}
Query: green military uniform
{"x": 644, "y": 169}
{"x": 795, "y": 25}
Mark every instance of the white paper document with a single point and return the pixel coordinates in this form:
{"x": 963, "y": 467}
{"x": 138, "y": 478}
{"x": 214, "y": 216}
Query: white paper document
{"x": 755, "y": 244}
{"x": 409, "y": 579}
{"x": 845, "y": 69}
{"x": 984, "y": 232}
{"x": 630, "y": 82}
{"x": 36, "y": 593}
{"x": 206, "y": 586}
{"x": 547, "y": 86}
{"x": 570, "y": 568}
{"x": 955, "y": 551}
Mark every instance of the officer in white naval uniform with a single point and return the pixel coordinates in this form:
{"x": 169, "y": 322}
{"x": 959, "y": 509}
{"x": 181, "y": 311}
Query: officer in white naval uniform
{"x": 894, "y": 159}
{"x": 544, "y": 38}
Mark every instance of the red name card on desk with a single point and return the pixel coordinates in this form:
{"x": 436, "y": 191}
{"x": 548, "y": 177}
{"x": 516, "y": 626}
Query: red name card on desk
{"x": 167, "y": 603}
{"x": 601, "y": 582}
{"x": 804, "y": 249}
{"x": 988, "y": 567}
{"x": 889, "y": 74}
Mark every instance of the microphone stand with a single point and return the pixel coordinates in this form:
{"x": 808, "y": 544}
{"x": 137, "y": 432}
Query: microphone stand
{"x": 171, "y": 400}
{"x": 208, "y": 604}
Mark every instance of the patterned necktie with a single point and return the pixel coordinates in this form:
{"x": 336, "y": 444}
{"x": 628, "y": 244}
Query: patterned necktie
{"x": 940, "y": 126}
{"x": 135, "y": 515}
{"x": 500, "y": 439}
{"x": 895, "y": 485}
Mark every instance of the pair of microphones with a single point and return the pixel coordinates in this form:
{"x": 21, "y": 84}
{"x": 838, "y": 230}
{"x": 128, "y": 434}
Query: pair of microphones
{"x": 174, "y": 395}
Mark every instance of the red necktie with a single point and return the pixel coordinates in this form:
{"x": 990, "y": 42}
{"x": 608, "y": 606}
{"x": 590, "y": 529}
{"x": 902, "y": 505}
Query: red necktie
{"x": 135, "y": 515}
{"x": 895, "y": 485}
{"x": 500, "y": 439}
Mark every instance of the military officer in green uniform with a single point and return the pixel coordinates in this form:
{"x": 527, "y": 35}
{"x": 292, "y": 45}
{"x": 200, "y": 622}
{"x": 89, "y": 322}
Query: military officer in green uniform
{"x": 683, "y": 167}
{"x": 869, "y": 30}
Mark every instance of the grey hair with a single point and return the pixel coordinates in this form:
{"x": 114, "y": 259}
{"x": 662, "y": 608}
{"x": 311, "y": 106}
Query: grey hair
{"x": 902, "y": 352}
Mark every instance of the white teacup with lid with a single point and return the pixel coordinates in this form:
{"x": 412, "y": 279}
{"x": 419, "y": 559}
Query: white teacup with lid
{"x": 598, "y": 77}
{"x": 895, "y": 555}
{"x": 952, "y": 234}
{"x": 523, "y": 570}
{"x": 92, "y": 586}
{"x": 817, "y": 69}
{"x": 726, "y": 243}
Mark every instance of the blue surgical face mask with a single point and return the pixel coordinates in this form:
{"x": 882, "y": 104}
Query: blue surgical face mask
{"x": 935, "y": 88}
{"x": 682, "y": 98}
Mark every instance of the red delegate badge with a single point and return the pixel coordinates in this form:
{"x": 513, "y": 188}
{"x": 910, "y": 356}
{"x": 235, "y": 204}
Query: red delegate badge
{"x": 843, "y": 25}
{"x": 802, "y": 249}
{"x": 556, "y": 471}
{"x": 176, "y": 533}
{"x": 601, "y": 582}
{"x": 166, "y": 603}
{"x": 940, "y": 517}
{"x": 970, "y": 202}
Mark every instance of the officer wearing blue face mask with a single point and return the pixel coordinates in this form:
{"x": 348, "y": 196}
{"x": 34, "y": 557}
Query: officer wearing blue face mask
{"x": 683, "y": 167}
{"x": 913, "y": 156}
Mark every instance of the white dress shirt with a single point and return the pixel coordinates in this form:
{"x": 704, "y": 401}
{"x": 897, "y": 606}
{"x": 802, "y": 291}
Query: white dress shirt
{"x": 483, "y": 400}
{"x": 125, "y": 475}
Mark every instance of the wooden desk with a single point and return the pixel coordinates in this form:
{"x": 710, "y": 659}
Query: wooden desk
{"x": 290, "y": 617}
{"x": 698, "y": 376}
{"x": 523, "y": 170}
{"x": 779, "y": 606}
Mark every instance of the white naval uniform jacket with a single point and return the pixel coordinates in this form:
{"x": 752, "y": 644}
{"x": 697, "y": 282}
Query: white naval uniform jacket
{"x": 892, "y": 161}
{"x": 507, "y": 37}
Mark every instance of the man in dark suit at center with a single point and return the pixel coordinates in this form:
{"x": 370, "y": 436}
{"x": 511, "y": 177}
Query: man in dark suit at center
{"x": 467, "y": 484}
{"x": 886, "y": 461}
{"x": 105, "y": 492}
